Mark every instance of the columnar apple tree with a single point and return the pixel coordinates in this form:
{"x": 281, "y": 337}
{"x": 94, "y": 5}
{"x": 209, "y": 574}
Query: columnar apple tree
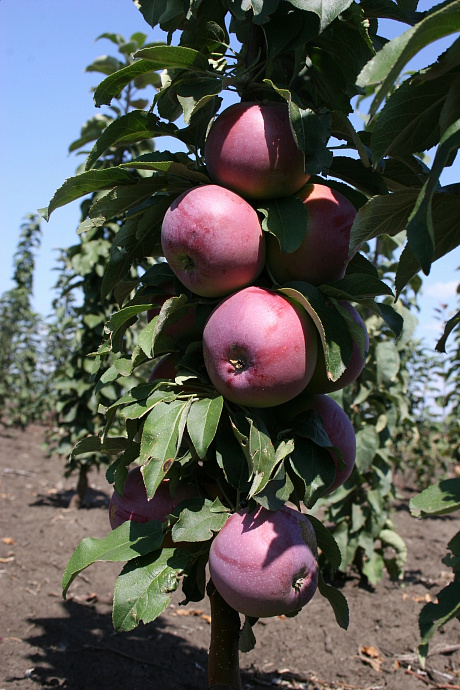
{"x": 248, "y": 223}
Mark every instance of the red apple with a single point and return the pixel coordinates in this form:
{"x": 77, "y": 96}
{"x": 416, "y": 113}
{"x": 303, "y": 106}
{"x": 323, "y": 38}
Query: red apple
{"x": 264, "y": 563}
{"x": 165, "y": 368}
{"x": 134, "y": 505}
{"x": 323, "y": 255}
{"x": 185, "y": 324}
{"x": 337, "y": 426}
{"x": 320, "y": 383}
{"x": 260, "y": 348}
{"x": 213, "y": 241}
{"x": 251, "y": 149}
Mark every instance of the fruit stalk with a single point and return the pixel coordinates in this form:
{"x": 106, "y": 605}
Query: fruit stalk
{"x": 223, "y": 659}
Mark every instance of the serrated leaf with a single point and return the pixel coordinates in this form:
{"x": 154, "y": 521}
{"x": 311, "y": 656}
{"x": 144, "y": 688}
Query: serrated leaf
{"x": 143, "y": 588}
{"x": 161, "y": 436}
{"x": 385, "y": 67}
{"x": 199, "y": 521}
{"x": 409, "y": 122}
{"x": 127, "y": 541}
{"x": 174, "y": 57}
{"x": 286, "y": 219}
{"x": 438, "y": 499}
{"x": 86, "y": 183}
{"x": 126, "y": 130}
{"x": 420, "y": 229}
{"x": 445, "y": 216}
{"x": 337, "y": 601}
{"x": 202, "y": 423}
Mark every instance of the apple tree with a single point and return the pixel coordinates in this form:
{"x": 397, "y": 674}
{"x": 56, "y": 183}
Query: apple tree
{"x": 219, "y": 422}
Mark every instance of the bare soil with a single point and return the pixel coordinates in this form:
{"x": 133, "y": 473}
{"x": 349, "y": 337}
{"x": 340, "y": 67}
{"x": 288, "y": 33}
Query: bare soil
{"x": 47, "y": 642}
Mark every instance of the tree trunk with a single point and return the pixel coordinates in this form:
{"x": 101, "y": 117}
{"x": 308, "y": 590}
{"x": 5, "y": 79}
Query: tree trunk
{"x": 223, "y": 660}
{"x": 78, "y": 499}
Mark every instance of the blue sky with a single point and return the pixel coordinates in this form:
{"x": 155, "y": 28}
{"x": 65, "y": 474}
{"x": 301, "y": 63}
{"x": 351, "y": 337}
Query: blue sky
{"x": 44, "y": 48}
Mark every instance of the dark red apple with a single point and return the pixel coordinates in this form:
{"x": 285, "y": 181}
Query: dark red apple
{"x": 165, "y": 368}
{"x": 251, "y": 149}
{"x": 337, "y": 426}
{"x": 265, "y": 563}
{"x": 134, "y": 505}
{"x": 260, "y": 348}
{"x": 213, "y": 241}
{"x": 323, "y": 255}
{"x": 320, "y": 383}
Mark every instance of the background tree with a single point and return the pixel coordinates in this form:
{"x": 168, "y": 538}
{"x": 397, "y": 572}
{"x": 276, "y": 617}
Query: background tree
{"x": 24, "y": 372}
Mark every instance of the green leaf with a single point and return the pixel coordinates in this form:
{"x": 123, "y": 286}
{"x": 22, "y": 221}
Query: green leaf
{"x": 86, "y": 183}
{"x": 438, "y": 499}
{"x": 174, "y": 57}
{"x": 262, "y": 454}
{"x": 311, "y": 132}
{"x": 314, "y": 466}
{"x": 445, "y": 216}
{"x": 409, "y": 122}
{"x": 337, "y": 601}
{"x": 420, "y": 229}
{"x": 367, "y": 444}
{"x": 435, "y": 616}
{"x": 161, "y": 436}
{"x": 127, "y": 541}
{"x": 388, "y": 362}
{"x": 326, "y": 542}
{"x": 194, "y": 94}
{"x": 150, "y": 334}
{"x": 143, "y": 588}
{"x": 286, "y": 219}
{"x": 385, "y": 67}
{"x": 199, "y": 520}
{"x": 277, "y": 491}
{"x": 332, "y": 327}
{"x": 327, "y": 10}
{"x": 126, "y": 130}
{"x": 202, "y": 422}
{"x": 136, "y": 239}
{"x": 451, "y": 324}
{"x": 168, "y": 163}
{"x": 105, "y": 64}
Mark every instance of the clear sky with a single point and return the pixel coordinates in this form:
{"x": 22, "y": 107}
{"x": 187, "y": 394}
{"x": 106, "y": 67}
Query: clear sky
{"x": 44, "y": 47}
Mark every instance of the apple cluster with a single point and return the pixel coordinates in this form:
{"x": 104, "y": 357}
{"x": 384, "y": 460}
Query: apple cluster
{"x": 260, "y": 347}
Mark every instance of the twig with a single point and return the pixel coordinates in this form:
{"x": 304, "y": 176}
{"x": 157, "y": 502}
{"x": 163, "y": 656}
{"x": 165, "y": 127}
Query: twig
{"x": 22, "y": 473}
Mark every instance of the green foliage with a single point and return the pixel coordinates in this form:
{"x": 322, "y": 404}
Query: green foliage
{"x": 317, "y": 57}
{"x": 25, "y": 395}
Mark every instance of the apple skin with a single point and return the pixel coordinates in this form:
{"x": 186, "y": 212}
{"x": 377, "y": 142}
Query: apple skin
{"x": 260, "y": 349}
{"x": 319, "y": 382}
{"x": 134, "y": 505}
{"x": 213, "y": 241}
{"x": 337, "y": 426}
{"x": 265, "y": 563}
{"x": 165, "y": 368}
{"x": 323, "y": 255}
{"x": 251, "y": 149}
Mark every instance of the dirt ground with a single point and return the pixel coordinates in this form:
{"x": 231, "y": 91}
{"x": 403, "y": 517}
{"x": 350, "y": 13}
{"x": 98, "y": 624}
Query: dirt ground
{"x": 47, "y": 642}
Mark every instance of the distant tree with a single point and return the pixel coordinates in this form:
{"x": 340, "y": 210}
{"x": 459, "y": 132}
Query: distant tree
{"x": 24, "y": 376}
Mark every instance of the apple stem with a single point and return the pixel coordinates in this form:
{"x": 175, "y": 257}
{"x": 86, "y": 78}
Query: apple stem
{"x": 223, "y": 660}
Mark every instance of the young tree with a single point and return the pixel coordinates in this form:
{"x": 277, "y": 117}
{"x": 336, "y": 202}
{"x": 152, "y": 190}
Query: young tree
{"x": 308, "y": 61}
{"x": 24, "y": 376}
